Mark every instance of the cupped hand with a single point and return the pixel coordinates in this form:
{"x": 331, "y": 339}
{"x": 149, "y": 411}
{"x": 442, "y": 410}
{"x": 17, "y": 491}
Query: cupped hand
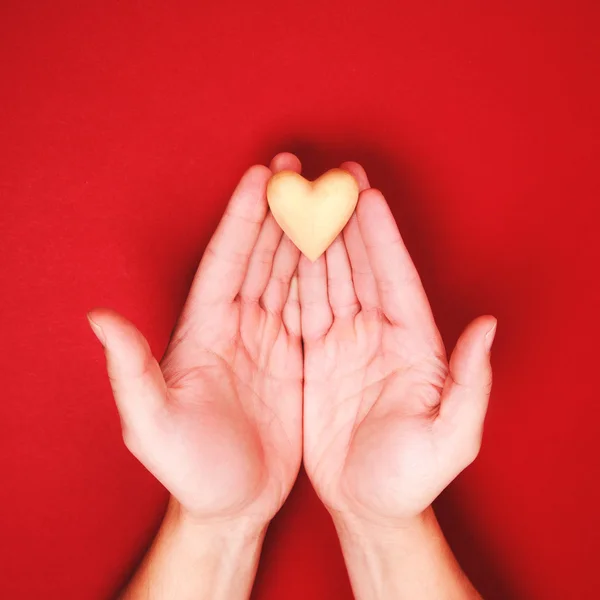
{"x": 218, "y": 420}
{"x": 388, "y": 422}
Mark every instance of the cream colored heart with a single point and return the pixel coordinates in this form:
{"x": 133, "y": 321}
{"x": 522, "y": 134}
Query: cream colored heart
{"x": 312, "y": 213}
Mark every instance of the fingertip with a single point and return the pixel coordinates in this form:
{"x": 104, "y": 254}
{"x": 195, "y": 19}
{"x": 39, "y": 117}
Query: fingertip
{"x": 96, "y": 328}
{"x": 482, "y": 328}
{"x": 370, "y": 197}
{"x": 101, "y": 313}
{"x": 135, "y": 376}
{"x": 286, "y": 161}
{"x": 492, "y": 326}
{"x": 250, "y": 195}
{"x": 485, "y": 321}
{"x": 358, "y": 172}
{"x": 105, "y": 318}
{"x": 258, "y": 170}
{"x": 467, "y": 390}
{"x": 256, "y": 176}
{"x": 114, "y": 331}
{"x": 102, "y": 320}
{"x": 470, "y": 359}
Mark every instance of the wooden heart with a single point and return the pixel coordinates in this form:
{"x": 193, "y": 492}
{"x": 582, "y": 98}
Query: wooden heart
{"x": 312, "y": 213}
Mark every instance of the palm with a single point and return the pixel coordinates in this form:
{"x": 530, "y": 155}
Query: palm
{"x": 380, "y": 400}
{"x": 233, "y": 430}
{"x": 376, "y": 443}
{"x": 219, "y": 423}
{"x": 228, "y": 386}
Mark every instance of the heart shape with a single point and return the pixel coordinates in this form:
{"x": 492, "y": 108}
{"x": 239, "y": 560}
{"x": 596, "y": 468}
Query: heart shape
{"x": 312, "y": 213}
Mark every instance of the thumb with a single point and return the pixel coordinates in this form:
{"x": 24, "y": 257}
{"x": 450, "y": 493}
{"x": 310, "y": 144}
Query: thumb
{"x": 467, "y": 388}
{"x": 135, "y": 376}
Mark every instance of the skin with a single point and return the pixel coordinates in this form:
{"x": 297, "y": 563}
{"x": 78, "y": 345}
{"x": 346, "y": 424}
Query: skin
{"x": 381, "y": 419}
{"x": 388, "y": 422}
{"x": 218, "y": 420}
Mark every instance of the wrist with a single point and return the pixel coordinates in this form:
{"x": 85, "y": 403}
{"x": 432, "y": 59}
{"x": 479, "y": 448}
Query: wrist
{"x": 407, "y": 559}
{"x": 199, "y": 559}
{"x": 240, "y": 531}
{"x": 382, "y": 537}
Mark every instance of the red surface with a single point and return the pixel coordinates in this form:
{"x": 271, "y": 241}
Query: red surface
{"x": 123, "y": 129}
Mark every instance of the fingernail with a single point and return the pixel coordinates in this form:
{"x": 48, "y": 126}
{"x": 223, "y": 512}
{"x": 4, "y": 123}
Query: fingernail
{"x": 97, "y": 330}
{"x": 489, "y": 336}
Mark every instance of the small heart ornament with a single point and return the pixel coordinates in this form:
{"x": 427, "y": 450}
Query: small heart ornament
{"x": 312, "y": 213}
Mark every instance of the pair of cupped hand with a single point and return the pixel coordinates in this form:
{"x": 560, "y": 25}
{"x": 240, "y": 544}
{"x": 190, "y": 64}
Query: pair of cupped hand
{"x": 276, "y": 360}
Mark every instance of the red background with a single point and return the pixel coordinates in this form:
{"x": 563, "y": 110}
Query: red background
{"x": 125, "y": 126}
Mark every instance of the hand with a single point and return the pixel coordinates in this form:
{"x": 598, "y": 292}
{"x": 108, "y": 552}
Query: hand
{"x": 388, "y": 423}
{"x": 218, "y": 421}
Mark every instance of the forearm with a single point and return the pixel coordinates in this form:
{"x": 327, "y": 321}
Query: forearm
{"x": 411, "y": 562}
{"x": 193, "y": 561}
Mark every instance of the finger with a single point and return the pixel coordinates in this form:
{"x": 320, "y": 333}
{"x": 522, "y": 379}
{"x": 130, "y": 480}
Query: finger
{"x": 284, "y": 266}
{"x": 399, "y": 288}
{"x": 291, "y": 310}
{"x": 286, "y": 161}
{"x": 340, "y": 287}
{"x": 261, "y": 259}
{"x": 365, "y": 286}
{"x": 135, "y": 376}
{"x": 358, "y": 173}
{"x": 467, "y": 389}
{"x": 315, "y": 311}
{"x": 225, "y": 262}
